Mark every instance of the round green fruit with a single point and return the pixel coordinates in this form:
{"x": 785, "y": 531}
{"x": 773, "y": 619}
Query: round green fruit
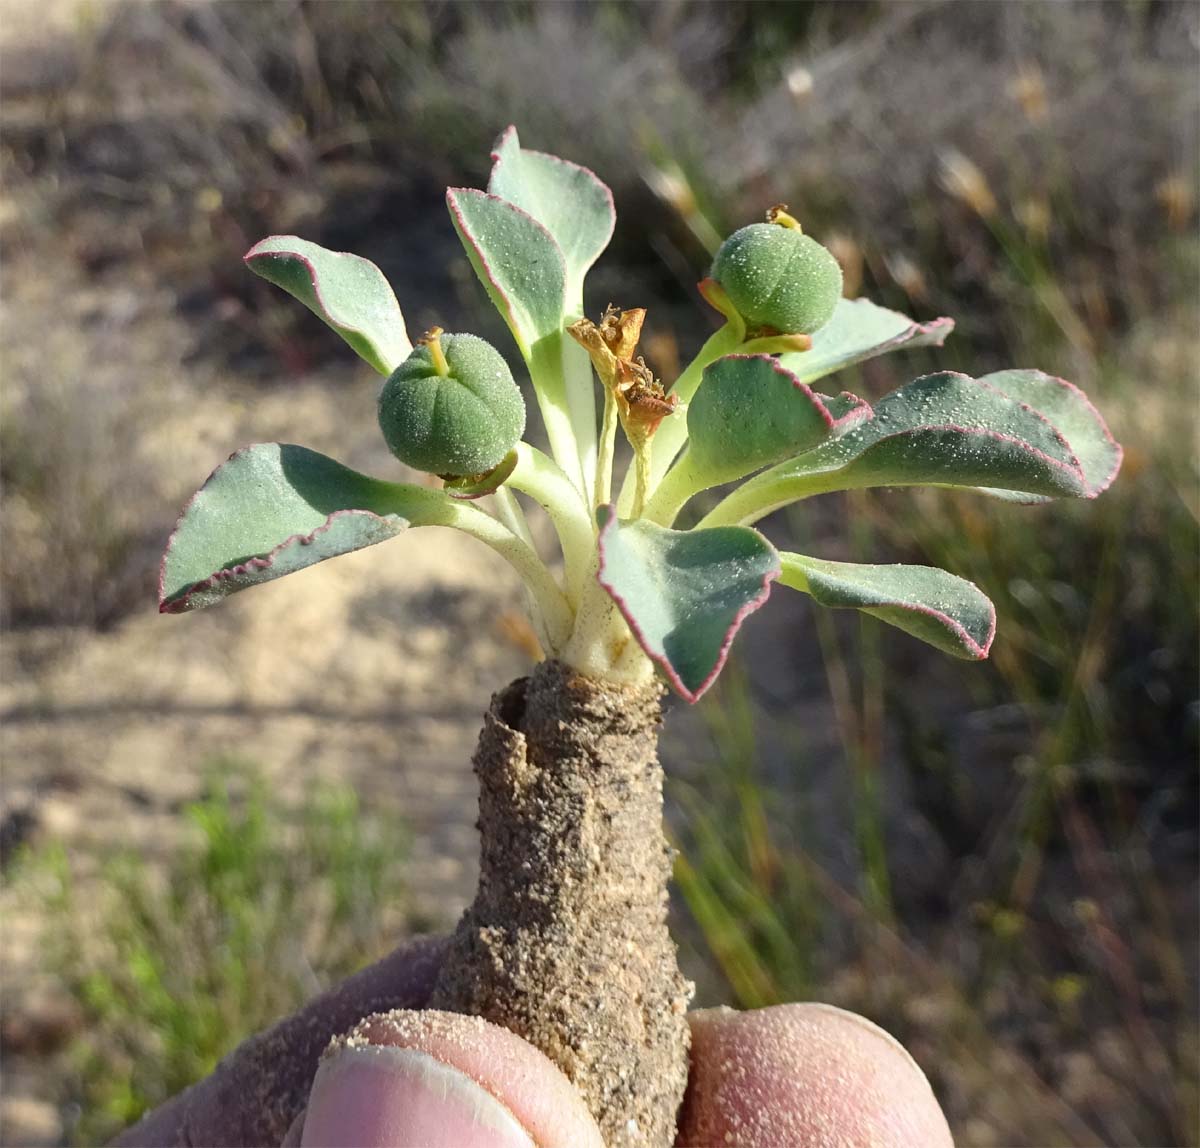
{"x": 779, "y": 277}
{"x": 452, "y": 407}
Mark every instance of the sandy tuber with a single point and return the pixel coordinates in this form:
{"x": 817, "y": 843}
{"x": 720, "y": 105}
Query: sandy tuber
{"x": 566, "y": 943}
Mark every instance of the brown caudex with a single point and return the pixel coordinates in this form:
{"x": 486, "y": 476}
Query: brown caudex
{"x": 566, "y": 942}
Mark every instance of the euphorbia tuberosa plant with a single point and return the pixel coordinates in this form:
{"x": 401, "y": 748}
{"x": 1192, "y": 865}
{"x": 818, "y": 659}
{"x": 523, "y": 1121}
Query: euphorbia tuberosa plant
{"x": 566, "y": 942}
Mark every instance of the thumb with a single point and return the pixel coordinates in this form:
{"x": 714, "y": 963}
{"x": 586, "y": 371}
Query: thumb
{"x": 441, "y": 1080}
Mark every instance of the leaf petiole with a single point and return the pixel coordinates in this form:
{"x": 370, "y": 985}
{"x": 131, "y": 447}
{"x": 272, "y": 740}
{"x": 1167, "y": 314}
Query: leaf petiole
{"x": 671, "y": 494}
{"x": 509, "y": 511}
{"x": 553, "y": 615}
{"x": 546, "y": 361}
{"x": 544, "y": 481}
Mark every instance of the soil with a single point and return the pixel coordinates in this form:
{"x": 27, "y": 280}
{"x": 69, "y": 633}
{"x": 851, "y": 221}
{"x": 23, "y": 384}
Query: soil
{"x": 371, "y": 671}
{"x": 566, "y": 943}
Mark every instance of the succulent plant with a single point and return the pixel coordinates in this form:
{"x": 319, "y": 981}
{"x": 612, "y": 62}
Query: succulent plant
{"x": 567, "y": 757}
{"x": 778, "y": 278}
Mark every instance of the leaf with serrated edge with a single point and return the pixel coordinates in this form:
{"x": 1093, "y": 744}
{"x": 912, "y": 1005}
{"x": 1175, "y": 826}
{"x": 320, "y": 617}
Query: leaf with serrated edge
{"x": 861, "y": 330}
{"x": 750, "y": 412}
{"x": 1072, "y": 413}
{"x": 940, "y": 430}
{"x": 684, "y": 593}
{"x": 274, "y": 508}
{"x": 568, "y": 200}
{"x": 934, "y": 605}
{"x": 517, "y": 261}
{"x": 350, "y": 293}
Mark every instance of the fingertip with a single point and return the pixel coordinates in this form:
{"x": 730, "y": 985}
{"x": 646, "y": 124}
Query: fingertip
{"x": 442, "y": 1079}
{"x": 805, "y": 1074}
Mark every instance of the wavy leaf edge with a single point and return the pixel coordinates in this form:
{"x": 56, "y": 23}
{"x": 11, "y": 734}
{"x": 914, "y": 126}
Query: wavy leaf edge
{"x": 1092, "y": 490}
{"x": 708, "y": 461}
{"x": 179, "y": 603}
{"x": 497, "y": 158}
{"x": 858, "y": 409}
{"x": 976, "y": 651}
{"x": 609, "y": 515}
{"x": 1072, "y": 466}
{"x": 314, "y": 279}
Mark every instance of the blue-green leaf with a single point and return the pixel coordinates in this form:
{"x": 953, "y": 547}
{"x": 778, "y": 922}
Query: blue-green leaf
{"x": 517, "y": 261}
{"x": 750, "y": 412}
{"x": 941, "y": 430}
{"x": 568, "y": 200}
{"x": 931, "y": 604}
{"x": 1071, "y": 412}
{"x": 861, "y": 330}
{"x": 684, "y": 593}
{"x": 272, "y": 509}
{"x": 348, "y": 292}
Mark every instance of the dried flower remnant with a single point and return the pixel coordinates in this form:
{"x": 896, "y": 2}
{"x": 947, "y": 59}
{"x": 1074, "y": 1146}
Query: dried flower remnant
{"x": 632, "y": 394}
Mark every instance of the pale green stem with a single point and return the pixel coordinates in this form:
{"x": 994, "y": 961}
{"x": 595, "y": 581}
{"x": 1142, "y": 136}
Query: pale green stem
{"x": 602, "y": 645}
{"x": 580, "y": 388}
{"x": 544, "y": 481}
{"x": 672, "y": 434}
{"x": 768, "y": 492}
{"x": 553, "y": 615}
{"x": 545, "y": 361}
{"x": 670, "y": 495}
{"x": 604, "y": 460}
{"x": 641, "y": 479}
{"x": 509, "y": 511}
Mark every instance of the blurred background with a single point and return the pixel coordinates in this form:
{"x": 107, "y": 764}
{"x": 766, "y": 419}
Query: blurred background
{"x": 205, "y": 819}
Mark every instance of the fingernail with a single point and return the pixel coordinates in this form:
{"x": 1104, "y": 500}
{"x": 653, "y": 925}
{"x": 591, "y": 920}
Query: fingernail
{"x": 381, "y": 1096}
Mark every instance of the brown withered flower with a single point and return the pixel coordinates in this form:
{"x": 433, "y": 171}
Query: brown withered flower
{"x": 642, "y": 403}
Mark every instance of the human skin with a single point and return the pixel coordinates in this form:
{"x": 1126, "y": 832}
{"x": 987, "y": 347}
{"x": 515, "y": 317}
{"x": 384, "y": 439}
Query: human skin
{"x": 803, "y": 1074}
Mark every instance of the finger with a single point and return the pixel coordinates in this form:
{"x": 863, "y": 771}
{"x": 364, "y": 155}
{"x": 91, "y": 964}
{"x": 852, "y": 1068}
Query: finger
{"x": 804, "y": 1075}
{"x": 258, "y": 1090}
{"x": 443, "y": 1081}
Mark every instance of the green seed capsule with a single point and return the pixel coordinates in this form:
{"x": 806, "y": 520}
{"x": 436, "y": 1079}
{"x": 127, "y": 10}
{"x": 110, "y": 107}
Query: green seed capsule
{"x": 452, "y": 407}
{"x": 778, "y": 277}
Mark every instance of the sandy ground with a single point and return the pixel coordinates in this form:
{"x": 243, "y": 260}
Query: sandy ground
{"x": 374, "y": 670}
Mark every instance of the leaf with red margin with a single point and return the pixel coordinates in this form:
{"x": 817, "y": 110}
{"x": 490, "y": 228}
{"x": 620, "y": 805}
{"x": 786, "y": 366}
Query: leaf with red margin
{"x": 517, "y": 261}
{"x": 750, "y": 411}
{"x": 861, "y": 330}
{"x": 934, "y": 605}
{"x": 573, "y": 205}
{"x": 1072, "y": 413}
{"x": 684, "y": 593}
{"x": 272, "y": 509}
{"x": 940, "y": 430}
{"x": 350, "y": 293}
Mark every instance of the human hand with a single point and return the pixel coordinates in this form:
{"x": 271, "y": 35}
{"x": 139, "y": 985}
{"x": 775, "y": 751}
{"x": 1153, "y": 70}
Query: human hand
{"x": 804, "y": 1074}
